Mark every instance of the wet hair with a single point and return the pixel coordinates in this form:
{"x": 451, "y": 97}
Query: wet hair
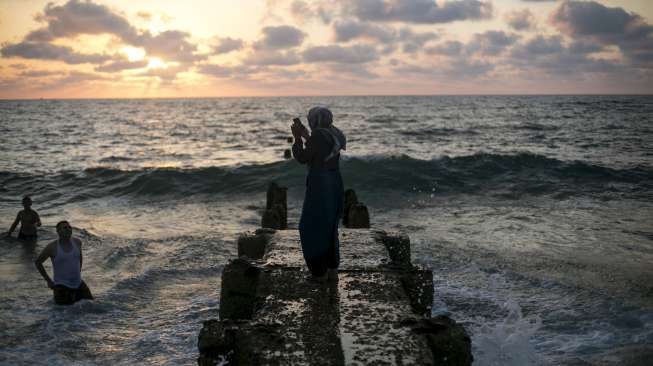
{"x": 61, "y": 223}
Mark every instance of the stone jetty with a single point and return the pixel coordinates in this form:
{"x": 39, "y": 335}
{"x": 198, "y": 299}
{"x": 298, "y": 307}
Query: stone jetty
{"x": 378, "y": 311}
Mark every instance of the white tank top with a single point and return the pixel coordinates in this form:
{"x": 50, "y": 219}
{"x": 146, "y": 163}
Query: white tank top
{"x": 67, "y": 270}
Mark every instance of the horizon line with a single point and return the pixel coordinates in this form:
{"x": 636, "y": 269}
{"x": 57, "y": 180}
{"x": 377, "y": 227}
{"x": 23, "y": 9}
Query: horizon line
{"x": 332, "y": 96}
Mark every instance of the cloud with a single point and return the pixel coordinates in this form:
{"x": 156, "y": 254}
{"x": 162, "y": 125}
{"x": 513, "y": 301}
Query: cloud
{"x": 86, "y": 17}
{"x": 462, "y": 69}
{"x": 226, "y": 45}
{"x": 521, "y": 20}
{"x": 172, "y": 45}
{"x": 38, "y": 73}
{"x": 166, "y": 74}
{"x": 413, "y": 40}
{"x": 46, "y": 51}
{"x": 334, "y": 53}
{"x": 491, "y": 42}
{"x": 223, "y": 72}
{"x": 420, "y": 11}
{"x": 273, "y": 57}
{"x": 553, "y": 56}
{"x": 122, "y": 64}
{"x": 280, "y": 37}
{"x": 449, "y": 48}
{"x": 75, "y": 78}
{"x": 348, "y": 30}
{"x": 609, "y": 26}
{"x": 144, "y": 15}
{"x": 357, "y": 70}
{"x": 303, "y": 11}
{"x": 77, "y": 17}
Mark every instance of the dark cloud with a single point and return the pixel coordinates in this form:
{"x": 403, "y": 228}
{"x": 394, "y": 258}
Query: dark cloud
{"x": 86, "y": 17}
{"x": 303, "y": 11}
{"x": 521, "y": 20}
{"x": 226, "y": 45}
{"x": 334, "y": 53}
{"x": 349, "y": 30}
{"x": 410, "y": 41}
{"x": 491, "y": 42}
{"x": 461, "y": 69}
{"x": 414, "y": 41}
{"x": 46, "y": 51}
{"x": 122, "y": 64}
{"x": 273, "y": 57}
{"x": 77, "y": 17}
{"x": 217, "y": 71}
{"x": 449, "y": 48}
{"x": 420, "y": 11}
{"x": 224, "y": 72}
{"x": 38, "y": 73}
{"x": 170, "y": 45}
{"x": 280, "y": 37}
{"x": 609, "y": 26}
{"x": 75, "y": 78}
{"x": 356, "y": 70}
{"x": 551, "y": 55}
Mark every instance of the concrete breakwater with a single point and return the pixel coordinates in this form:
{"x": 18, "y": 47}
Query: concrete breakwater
{"x": 377, "y": 312}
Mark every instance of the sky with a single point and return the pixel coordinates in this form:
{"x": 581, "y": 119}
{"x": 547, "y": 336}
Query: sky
{"x": 210, "y": 48}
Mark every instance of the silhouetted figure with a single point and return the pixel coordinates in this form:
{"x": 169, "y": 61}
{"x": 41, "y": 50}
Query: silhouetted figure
{"x": 322, "y": 209}
{"x": 29, "y": 220}
{"x": 66, "y": 256}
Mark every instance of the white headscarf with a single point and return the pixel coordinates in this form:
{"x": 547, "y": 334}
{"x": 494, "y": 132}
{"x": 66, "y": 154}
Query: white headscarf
{"x": 321, "y": 117}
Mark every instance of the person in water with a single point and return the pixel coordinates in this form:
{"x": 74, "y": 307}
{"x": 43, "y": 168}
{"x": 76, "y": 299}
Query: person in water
{"x": 323, "y": 201}
{"x": 29, "y": 220}
{"x": 66, "y": 256}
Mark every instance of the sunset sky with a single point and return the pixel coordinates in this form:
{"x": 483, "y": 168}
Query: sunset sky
{"x": 196, "y": 48}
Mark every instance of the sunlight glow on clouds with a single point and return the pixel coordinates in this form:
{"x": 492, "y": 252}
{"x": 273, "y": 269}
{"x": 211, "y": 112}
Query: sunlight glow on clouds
{"x": 95, "y": 48}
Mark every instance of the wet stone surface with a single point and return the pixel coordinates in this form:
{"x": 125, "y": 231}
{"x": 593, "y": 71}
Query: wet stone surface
{"x": 273, "y": 313}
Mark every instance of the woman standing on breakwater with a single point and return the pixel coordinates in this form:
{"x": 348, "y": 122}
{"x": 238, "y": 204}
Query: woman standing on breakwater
{"x": 322, "y": 209}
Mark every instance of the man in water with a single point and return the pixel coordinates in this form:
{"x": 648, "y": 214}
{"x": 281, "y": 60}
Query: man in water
{"x": 29, "y": 220}
{"x": 66, "y": 256}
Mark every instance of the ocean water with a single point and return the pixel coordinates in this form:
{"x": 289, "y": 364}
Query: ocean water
{"x": 534, "y": 212}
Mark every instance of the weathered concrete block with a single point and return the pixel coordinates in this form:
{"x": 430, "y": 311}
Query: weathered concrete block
{"x": 398, "y": 246}
{"x": 238, "y": 296}
{"x": 271, "y": 219}
{"x": 273, "y": 314}
{"x": 359, "y": 217}
{"x": 350, "y": 200}
{"x": 276, "y": 207}
{"x": 251, "y": 245}
{"x": 418, "y": 285}
{"x": 449, "y": 342}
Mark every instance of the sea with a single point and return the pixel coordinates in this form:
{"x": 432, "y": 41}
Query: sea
{"x": 535, "y": 214}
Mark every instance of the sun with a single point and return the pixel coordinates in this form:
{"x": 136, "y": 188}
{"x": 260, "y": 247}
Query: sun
{"x": 156, "y": 63}
{"x": 133, "y": 53}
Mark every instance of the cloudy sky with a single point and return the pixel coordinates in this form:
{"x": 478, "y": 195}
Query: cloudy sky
{"x": 194, "y": 48}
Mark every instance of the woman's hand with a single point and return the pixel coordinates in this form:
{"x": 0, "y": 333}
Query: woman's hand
{"x": 296, "y": 131}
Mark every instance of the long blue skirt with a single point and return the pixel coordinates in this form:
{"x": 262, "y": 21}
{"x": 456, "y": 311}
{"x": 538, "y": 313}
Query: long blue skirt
{"x": 318, "y": 225}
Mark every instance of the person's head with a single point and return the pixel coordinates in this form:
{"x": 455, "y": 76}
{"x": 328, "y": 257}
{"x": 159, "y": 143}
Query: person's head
{"x": 319, "y": 117}
{"x": 64, "y": 230}
{"x": 27, "y": 202}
